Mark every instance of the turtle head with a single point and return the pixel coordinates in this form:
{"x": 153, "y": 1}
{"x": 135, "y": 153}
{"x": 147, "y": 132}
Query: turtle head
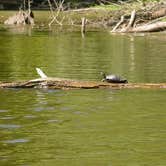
{"x": 103, "y": 74}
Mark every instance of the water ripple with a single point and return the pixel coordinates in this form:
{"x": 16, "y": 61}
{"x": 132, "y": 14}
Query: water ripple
{"x": 3, "y": 111}
{"x": 21, "y": 140}
{"x": 29, "y": 116}
{"x": 9, "y": 126}
{"x": 7, "y": 118}
{"x": 53, "y": 121}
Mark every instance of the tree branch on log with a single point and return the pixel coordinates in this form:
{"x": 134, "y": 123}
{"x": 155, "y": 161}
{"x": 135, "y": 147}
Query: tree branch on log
{"x": 148, "y": 27}
{"x": 132, "y": 20}
{"x": 118, "y": 24}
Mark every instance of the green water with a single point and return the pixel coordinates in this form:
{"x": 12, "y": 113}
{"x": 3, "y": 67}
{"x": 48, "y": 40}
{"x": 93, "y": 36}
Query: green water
{"x": 82, "y": 127}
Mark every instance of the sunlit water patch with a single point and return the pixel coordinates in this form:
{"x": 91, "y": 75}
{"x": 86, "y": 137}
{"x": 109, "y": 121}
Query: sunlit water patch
{"x": 15, "y": 141}
{"x": 9, "y": 126}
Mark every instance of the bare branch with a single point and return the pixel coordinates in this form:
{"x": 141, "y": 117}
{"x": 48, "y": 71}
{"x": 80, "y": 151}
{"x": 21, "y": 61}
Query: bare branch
{"x": 132, "y": 19}
{"x": 54, "y": 16}
{"x": 118, "y": 24}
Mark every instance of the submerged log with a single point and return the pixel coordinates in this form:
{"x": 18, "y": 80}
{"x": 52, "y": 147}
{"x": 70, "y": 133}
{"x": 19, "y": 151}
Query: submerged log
{"x": 58, "y": 83}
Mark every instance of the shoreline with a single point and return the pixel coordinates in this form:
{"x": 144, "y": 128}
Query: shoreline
{"x": 99, "y": 17}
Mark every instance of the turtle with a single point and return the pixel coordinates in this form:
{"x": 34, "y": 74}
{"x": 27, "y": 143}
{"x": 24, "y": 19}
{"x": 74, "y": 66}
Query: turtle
{"x": 112, "y": 78}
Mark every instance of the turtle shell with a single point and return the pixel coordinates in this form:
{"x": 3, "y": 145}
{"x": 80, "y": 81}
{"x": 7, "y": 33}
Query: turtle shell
{"x": 114, "y": 79}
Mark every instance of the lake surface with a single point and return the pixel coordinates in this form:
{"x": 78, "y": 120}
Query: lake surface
{"x": 82, "y": 127}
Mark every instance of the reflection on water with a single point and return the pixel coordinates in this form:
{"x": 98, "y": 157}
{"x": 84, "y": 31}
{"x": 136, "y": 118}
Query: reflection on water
{"x": 137, "y": 58}
{"x": 3, "y": 111}
{"x": 16, "y": 141}
{"x": 89, "y": 127}
{"x": 9, "y": 126}
{"x": 19, "y": 30}
{"x": 82, "y": 127}
{"x": 132, "y": 54}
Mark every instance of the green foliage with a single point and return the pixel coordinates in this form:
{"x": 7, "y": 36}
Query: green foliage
{"x": 108, "y": 7}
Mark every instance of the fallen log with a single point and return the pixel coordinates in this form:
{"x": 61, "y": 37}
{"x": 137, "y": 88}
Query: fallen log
{"x": 61, "y": 83}
{"x": 155, "y": 27}
{"x": 58, "y": 83}
{"x": 159, "y": 13}
{"x": 148, "y": 27}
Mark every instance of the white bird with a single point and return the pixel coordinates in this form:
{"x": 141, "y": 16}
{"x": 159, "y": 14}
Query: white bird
{"x": 41, "y": 73}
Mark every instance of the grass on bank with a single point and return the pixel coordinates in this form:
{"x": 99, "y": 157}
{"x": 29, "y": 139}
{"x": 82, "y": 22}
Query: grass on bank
{"x": 95, "y": 14}
{"x": 70, "y": 17}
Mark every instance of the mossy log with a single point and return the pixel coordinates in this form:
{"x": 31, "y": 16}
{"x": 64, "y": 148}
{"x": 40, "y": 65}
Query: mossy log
{"x": 58, "y": 83}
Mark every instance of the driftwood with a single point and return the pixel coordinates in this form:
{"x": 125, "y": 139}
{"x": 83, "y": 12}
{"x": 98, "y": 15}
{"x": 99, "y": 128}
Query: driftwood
{"x": 155, "y": 27}
{"x": 152, "y": 26}
{"x": 20, "y": 18}
{"x": 58, "y": 83}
